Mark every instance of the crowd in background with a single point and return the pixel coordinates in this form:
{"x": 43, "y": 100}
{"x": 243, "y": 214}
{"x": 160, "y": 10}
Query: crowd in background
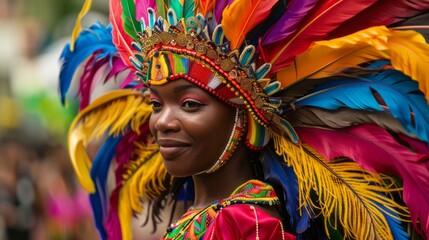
{"x": 39, "y": 196}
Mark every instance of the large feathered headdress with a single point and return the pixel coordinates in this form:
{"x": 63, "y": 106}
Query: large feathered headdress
{"x": 337, "y": 99}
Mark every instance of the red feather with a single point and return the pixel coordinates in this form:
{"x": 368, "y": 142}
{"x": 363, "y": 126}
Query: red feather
{"x": 325, "y": 17}
{"x": 121, "y": 40}
{"x": 376, "y": 150}
{"x": 381, "y": 13}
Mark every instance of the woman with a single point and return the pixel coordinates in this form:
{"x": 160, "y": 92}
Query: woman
{"x": 192, "y": 129}
{"x": 262, "y": 126}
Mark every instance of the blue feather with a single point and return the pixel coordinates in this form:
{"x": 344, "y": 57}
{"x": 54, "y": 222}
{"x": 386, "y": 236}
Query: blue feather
{"x": 99, "y": 172}
{"x": 91, "y": 40}
{"x": 395, "y": 225}
{"x": 279, "y": 173}
{"x": 399, "y": 92}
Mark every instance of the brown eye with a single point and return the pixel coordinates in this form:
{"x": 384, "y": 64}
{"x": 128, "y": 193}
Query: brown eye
{"x": 156, "y": 106}
{"x": 192, "y": 105}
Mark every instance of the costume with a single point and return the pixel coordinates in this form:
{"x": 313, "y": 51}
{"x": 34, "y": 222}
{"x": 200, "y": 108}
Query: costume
{"x": 220, "y": 219}
{"x": 335, "y": 101}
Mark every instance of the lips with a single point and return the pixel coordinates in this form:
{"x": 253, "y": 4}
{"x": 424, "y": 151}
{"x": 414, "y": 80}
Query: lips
{"x": 171, "y": 148}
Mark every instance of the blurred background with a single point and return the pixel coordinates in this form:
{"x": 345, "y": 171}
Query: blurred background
{"x": 39, "y": 195}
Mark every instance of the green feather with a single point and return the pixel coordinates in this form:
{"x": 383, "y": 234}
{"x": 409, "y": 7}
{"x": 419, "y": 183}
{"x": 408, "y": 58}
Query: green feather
{"x": 161, "y": 8}
{"x": 131, "y": 25}
{"x": 188, "y": 9}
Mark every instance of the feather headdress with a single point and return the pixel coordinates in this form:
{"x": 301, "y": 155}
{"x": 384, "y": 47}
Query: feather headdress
{"x": 337, "y": 103}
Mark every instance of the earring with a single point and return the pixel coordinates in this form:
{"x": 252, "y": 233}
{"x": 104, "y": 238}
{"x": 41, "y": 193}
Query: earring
{"x": 234, "y": 140}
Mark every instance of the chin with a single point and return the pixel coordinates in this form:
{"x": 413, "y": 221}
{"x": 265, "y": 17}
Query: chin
{"x": 177, "y": 170}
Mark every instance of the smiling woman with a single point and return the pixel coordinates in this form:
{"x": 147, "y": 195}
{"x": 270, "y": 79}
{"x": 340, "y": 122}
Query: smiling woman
{"x": 181, "y": 113}
{"x": 241, "y": 110}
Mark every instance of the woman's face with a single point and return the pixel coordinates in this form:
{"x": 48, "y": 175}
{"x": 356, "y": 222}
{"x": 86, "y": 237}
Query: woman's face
{"x": 191, "y": 126}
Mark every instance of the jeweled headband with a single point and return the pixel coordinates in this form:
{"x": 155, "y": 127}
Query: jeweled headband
{"x": 193, "y": 50}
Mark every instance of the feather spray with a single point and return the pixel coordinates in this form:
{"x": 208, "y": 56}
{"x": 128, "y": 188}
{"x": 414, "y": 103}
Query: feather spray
{"x": 103, "y": 115}
{"x": 120, "y": 38}
{"x": 389, "y": 91}
{"x": 376, "y": 150}
{"x": 384, "y": 12}
{"x": 95, "y": 40}
{"x": 406, "y": 50}
{"x": 344, "y": 191}
{"x": 327, "y": 16}
{"x": 252, "y": 13}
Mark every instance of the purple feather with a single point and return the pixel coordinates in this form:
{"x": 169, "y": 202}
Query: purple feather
{"x": 296, "y": 10}
{"x": 219, "y": 7}
{"x": 141, "y": 9}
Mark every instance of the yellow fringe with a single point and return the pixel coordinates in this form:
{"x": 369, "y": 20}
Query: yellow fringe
{"x": 345, "y": 196}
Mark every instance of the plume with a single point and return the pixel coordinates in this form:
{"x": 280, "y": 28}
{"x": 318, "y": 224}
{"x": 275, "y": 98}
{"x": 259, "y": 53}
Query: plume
{"x": 95, "y": 40}
{"x": 296, "y": 11}
{"x": 344, "y": 191}
{"x": 99, "y": 172}
{"x": 327, "y": 16}
{"x": 204, "y": 6}
{"x": 389, "y": 91}
{"x": 141, "y": 9}
{"x": 343, "y": 117}
{"x": 104, "y": 115}
{"x": 219, "y": 7}
{"x": 253, "y": 13}
{"x": 383, "y": 12}
{"x": 78, "y": 25}
{"x": 120, "y": 38}
{"x": 130, "y": 24}
{"x": 405, "y": 49}
{"x": 183, "y": 8}
{"x": 376, "y": 150}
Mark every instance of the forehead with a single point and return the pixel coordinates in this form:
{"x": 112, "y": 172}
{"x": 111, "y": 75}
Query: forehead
{"x": 177, "y": 87}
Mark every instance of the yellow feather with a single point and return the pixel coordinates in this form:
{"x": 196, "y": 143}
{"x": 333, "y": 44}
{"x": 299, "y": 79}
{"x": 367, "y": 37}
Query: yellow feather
{"x": 78, "y": 27}
{"x": 145, "y": 179}
{"x": 99, "y": 117}
{"x": 343, "y": 198}
{"x": 407, "y": 51}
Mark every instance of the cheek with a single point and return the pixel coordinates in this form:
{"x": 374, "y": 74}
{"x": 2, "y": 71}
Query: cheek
{"x": 152, "y": 121}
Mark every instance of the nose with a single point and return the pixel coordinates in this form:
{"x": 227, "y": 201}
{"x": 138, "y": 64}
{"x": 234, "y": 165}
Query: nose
{"x": 166, "y": 120}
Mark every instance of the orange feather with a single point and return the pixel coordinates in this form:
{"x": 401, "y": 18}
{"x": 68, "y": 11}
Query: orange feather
{"x": 204, "y": 6}
{"x": 251, "y": 14}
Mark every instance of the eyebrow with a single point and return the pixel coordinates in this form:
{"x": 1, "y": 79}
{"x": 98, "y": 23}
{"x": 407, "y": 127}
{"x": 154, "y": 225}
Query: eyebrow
{"x": 177, "y": 88}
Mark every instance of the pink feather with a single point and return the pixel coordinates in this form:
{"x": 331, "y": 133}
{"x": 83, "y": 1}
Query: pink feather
{"x": 141, "y": 9}
{"x": 121, "y": 40}
{"x": 376, "y": 150}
